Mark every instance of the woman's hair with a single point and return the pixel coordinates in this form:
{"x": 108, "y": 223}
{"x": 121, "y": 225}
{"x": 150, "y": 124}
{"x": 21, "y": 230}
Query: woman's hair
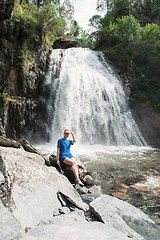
{"x": 66, "y": 130}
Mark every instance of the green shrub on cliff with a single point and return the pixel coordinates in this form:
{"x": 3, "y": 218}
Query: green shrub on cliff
{"x": 29, "y": 25}
{"x": 30, "y": 22}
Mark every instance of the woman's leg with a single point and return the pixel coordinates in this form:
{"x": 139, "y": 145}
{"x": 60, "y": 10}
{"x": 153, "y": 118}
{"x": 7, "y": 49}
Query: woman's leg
{"x": 71, "y": 162}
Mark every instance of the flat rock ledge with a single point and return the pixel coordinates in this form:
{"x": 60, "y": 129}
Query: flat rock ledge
{"x": 37, "y": 202}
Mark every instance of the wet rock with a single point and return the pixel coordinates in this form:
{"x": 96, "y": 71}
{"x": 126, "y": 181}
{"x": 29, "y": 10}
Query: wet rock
{"x": 120, "y": 195}
{"x": 65, "y": 43}
{"x": 88, "y": 180}
{"x": 158, "y": 169}
{"x": 90, "y": 173}
{"x": 148, "y": 122}
{"x": 154, "y": 208}
{"x": 106, "y": 176}
{"x": 53, "y": 160}
{"x": 132, "y": 179}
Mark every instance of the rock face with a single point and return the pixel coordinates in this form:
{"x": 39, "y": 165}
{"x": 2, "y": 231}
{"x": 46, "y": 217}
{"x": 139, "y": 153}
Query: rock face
{"x": 148, "y": 123}
{"x": 6, "y": 9}
{"x": 39, "y": 203}
{"x": 19, "y": 86}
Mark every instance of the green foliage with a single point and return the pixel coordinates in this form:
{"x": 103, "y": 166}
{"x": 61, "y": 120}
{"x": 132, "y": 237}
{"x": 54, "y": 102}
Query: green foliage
{"x": 25, "y": 57}
{"x": 147, "y": 11}
{"x": 95, "y": 22}
{"x": 134, "y": 41}
{"x": 29, "y": 24}
{"x": 123, "y": 37}
{"x": 24, "y": 21}
{"x": 86, "y": 40}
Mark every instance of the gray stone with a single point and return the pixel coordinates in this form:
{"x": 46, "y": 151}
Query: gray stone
{"x": 89, "y": 197}
{"x": 81, "y": 190}
{"x": 126, "y": 218}
{"x": 149, "y": 120}
{"x": 9, "y": 226}
{"x": 1, "y": 177}
{"x": 34, "y": 186}
{"x": 74, "y": 226}
{"x": 88, "y": 180}
{"x": 38, "y": 214}
{"x": 96, "y": 189}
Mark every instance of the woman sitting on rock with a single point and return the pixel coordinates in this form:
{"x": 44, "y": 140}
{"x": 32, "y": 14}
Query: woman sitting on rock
{"x": 64, "y": 155}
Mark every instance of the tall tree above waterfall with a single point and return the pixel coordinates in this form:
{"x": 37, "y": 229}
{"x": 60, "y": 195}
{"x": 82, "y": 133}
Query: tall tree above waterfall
{"x": 129, "y": 33}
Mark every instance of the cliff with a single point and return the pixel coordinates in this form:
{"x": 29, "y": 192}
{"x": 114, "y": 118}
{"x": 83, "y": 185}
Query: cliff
{"x": 19, "y": 86}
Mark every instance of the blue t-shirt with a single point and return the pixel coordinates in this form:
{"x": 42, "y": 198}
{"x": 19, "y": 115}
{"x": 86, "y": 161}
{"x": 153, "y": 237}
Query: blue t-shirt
{"x": 64, "y": 146}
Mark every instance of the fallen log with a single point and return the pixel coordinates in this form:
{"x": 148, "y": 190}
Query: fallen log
{"x": 7, "y": 142}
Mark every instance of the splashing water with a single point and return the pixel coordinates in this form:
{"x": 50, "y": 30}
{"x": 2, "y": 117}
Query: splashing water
{"x": 89, "y": 100}
{"x": 85, "y": 96}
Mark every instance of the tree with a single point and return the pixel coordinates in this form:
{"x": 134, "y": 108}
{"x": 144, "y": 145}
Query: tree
{"x": 104, "y": 5}
{"x": 95, "y": 22}
{"x": 66, "y": 11}
{"x": 75, "y": 29}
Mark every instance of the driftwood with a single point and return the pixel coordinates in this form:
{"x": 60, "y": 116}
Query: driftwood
{"x": 29, "y": 148}
{"x": 7, "y": 142}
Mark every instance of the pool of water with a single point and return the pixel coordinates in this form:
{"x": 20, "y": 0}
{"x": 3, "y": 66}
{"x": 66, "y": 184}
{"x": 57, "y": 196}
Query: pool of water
{"x": 129, "y": 173}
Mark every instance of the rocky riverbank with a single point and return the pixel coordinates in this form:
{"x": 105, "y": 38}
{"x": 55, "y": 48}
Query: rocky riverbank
{"x": 37, "y": 202}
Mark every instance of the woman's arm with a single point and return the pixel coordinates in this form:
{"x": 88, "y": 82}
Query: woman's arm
{"x": 58, "y": 150}
{"x": 74, "y": 140}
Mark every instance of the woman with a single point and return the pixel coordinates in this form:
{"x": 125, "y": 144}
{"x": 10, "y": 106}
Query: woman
{"x": 64, "y": 155}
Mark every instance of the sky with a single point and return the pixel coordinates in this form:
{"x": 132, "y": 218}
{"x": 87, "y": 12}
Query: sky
{"x": 84, "y": 10}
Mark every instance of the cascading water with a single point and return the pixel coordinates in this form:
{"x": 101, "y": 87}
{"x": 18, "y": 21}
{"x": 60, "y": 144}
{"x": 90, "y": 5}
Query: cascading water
{"x": 82, "y": 93}
{"x": 89, "y": 100}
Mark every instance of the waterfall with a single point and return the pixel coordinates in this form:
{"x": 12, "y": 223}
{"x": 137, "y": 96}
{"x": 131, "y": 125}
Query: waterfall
{"x": 88, "y": 98}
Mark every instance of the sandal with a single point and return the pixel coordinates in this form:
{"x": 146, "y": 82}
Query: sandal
{"x": 79, "y": 182}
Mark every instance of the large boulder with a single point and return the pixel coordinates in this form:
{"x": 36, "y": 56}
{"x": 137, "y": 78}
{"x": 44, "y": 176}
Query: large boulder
{"x": 65, "y": 43}
{"x": 31, "y": 187}
{"x": 66, "y": 168}
{"x": 126, "y": 218}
